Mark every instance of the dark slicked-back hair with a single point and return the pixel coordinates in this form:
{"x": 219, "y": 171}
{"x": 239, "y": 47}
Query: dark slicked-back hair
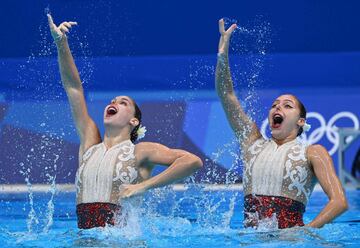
{"x": 137, "y": 115}
{"x": 302, "y": 113}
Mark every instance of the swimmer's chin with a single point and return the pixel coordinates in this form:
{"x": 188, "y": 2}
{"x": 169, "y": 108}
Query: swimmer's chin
{"x": 278, "y": 134}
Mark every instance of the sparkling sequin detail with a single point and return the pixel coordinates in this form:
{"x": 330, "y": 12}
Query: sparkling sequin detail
{"x": 288, "y": 212}
{"x": 96, "y": 214}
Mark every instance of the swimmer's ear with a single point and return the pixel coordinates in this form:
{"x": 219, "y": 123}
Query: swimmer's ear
{"x": 134, "y": 122}
{"x": 301, "y": 122}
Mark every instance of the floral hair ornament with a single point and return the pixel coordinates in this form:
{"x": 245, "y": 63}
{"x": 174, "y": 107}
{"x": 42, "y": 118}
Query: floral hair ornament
{"x": 141, "y": 132}
{"x": 306, "y": 127}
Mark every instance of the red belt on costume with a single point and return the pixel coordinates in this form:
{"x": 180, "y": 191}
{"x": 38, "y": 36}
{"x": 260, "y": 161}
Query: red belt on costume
{"x": 97, "y": 214}
{"x": 289, "y": 213}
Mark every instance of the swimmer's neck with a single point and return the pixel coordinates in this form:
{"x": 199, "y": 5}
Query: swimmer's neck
{"x": 280, "y": 142}
{"x": 112, "y": 138}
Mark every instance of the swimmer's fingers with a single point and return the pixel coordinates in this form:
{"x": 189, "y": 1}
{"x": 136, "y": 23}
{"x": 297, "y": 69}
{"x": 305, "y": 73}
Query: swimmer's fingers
{"x": 124, "y": 192}
{"x": 127, "y": 191}
{"x": 231, "y": 29}
{"x": 69, "y": 24}
{"x": 127, "y": 194}
{"x": 225, "y": 36}
{"x": 221, "y": 26}
{"x": 124, "y": 195}
{"x": 64, "y": 28}
{"x": 51, "y": 22}
{"x": 56, "y": 33}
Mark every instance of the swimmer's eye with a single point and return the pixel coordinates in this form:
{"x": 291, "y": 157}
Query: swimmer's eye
{"x": 273, "y": 106}
{"x": 288, "y": 106}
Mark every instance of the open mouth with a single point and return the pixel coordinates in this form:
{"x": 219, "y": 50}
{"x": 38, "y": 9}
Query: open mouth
{"x": 277, "y": 120}
{"x": 111, "y": 111}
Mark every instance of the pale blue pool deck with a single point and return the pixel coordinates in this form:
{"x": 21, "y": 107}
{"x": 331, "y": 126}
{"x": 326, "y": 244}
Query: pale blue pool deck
{"x": 195, "y": 217}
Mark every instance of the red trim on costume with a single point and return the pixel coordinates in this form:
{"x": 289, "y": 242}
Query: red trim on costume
{"x": 289, "y": 213}
{"x": 97, "y": 214}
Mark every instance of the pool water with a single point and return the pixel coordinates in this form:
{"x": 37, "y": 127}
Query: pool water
{"x": 167, "y": 218}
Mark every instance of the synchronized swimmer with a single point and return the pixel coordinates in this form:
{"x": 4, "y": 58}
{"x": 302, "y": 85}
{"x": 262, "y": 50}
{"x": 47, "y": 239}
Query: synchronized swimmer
{"x": 280, "y": 173}
{"x": 114, "y": 168}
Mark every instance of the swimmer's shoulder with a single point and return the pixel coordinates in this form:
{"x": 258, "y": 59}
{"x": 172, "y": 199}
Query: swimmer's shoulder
{"x": 144, "y": 149}
{"x": 315, "y": 151}
{"x": 145, "y": 146}
{"x": 315, "y": 148}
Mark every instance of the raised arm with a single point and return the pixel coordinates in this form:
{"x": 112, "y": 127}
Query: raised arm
{"x": 242, "y": 125}
{"x": 325, "y": 173}
{"x": 181, "y": 164}
{"x": 85, "y": 126}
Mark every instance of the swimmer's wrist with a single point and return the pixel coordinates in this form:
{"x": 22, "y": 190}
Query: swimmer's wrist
{"x": 146, "y": 185}
{"x": 311, "y": 224}
{"x": 222, "y": 57}
{"x": 222, "y": 54}
{"x": 61, "y": 39}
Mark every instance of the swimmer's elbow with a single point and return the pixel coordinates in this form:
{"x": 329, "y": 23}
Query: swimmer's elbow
{"x": 341, "y": 205}
{"x": 191, "y": 162}
{"x": 344, "y": 205}
{"x": 197, "y": 162}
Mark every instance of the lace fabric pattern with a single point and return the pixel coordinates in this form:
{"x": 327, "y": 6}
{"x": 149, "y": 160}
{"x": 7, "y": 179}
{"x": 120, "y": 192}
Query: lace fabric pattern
{"x": 103, "y": 171}
{"x": 299, "y": 179}
{"x": 283, "y": 170}
{"x": 123, "y": 171}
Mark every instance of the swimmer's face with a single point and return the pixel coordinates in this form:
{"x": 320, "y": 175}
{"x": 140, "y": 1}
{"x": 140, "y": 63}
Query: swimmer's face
{"x": 120, "y": 112}
{"x": 284, "y": 117}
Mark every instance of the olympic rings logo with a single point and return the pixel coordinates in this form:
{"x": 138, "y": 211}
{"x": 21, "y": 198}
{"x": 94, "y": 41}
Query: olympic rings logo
{"x": 329, "y": 129}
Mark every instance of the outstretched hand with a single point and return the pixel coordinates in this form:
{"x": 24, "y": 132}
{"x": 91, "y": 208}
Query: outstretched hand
{"x": 225, "y": 36}
{"x": 59, "y": 32}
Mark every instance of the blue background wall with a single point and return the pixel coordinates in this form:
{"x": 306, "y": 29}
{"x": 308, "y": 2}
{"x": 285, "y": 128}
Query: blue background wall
{"x": 118, "y": 28}
{"x": 163, "y": 54}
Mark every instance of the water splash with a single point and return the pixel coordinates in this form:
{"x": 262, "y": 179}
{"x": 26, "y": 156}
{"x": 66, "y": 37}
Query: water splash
{"x": 267, "y": 224}
{"x": 128, "y": 220}
{"x": 50, "y": 205}
{"x": 32, "y": 218}
{"x": 251, "y": 43}
{"x": 41, "y": 152}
